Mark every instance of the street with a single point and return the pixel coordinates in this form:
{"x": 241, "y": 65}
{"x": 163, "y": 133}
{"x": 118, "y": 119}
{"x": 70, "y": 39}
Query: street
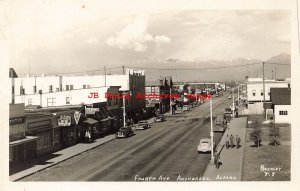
{"x": 164, "y": 152}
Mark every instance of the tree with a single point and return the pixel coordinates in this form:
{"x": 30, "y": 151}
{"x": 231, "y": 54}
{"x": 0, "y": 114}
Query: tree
{"x": 274, "y": 134}
{"x": 256, "y": 133}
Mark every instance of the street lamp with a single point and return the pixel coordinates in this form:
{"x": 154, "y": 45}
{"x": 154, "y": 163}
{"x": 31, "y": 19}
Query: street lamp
{"x": 211, "y": 130}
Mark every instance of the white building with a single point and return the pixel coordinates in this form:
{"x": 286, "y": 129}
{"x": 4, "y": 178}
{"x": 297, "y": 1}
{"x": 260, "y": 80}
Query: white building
{"x": 39, "y": 89}
{"x": 281, "y": 103}
{"x": 255, "y": 93}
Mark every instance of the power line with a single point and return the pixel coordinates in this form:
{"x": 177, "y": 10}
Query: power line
{"x": 188, "y": 69}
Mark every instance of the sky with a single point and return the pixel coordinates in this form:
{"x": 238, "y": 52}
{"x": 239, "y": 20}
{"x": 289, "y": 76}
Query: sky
{"x": 83, "y": 35}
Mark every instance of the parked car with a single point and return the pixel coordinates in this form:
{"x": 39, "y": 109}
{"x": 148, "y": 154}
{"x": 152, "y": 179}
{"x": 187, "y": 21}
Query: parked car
{"x": 205, "y": 145}
{"x": 186, "y": 107}
{"x": 143, "y": 124}
{"x": 229, "y": 97}
{"x": 179, "y": 110}
{"x": 220, "y": 123}
{"x": 160, "y": 118}
{"x": 124, "y": 132}
{"x": 228, "y": 114}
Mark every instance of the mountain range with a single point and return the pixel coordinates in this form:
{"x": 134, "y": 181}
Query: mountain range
{"x": 278, "y": 66}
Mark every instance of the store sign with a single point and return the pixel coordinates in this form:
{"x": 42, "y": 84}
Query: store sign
{"x": 91, "y": 111}
{"x": 64, "y": 120}
{"x": 77, "y": 115}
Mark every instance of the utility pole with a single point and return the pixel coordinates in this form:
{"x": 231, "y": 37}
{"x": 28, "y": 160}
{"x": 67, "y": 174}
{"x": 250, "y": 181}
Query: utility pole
{"x": 170, "y": 100}
{"x": 263, "y": 69}
{"x": 238, "y": 94}
{"x": 233, "y": 106}
{"x": 124, "y": 112}
{"x": 104, "y": 75}
{"x": 211, "y": 130}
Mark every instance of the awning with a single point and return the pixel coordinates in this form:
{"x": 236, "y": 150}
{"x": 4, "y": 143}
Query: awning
{"x": 90, "y": 121}
{"x": 22, "y": 141}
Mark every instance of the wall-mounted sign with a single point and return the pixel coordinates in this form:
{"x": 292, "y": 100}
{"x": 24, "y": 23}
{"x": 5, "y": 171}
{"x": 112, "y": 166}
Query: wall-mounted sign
{"x": 90, "y": 111}
{"x": 64, "y": 120}
{"x": 77, "y": 115}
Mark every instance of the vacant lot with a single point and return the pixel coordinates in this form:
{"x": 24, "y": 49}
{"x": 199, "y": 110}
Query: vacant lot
{"x": 276, "y": 157}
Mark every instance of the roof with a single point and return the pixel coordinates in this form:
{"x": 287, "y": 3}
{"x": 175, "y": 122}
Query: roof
{"x": 280, "y": 96}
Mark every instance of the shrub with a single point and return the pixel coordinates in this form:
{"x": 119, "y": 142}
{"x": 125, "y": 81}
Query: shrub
{"x": 274, "y": 134}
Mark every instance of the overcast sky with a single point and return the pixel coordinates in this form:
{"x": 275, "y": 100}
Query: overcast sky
{"x": 71, "y": 36}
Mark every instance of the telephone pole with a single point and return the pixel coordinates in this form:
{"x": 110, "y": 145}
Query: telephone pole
{"x": 263, "y": 69}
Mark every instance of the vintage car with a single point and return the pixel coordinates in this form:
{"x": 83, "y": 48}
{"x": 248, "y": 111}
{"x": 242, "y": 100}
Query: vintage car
{"x": 205, "y": 145}
{"x": 143, "y": 124}
{"x": 124, "y": 132}
{"x": 160, "y": 118}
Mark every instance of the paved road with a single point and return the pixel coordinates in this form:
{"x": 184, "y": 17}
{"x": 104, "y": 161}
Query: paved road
{"x": 166, "y": 150}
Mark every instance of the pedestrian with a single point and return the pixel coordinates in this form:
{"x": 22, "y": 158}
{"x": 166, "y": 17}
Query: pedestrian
{"x": 217, "y": 159}
{"x": 227, "y": 141}
{"x": 238, "y": 140}
{"x": 231, "y": 141}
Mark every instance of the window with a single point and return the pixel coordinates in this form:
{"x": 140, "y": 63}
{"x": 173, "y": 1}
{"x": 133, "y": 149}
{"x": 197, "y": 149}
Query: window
{"x": 50, "y": 101}
{"x": 261, "y": 92}
{"x": 50, "y": 88}
{"x": 88, "y": 86}
{"x": 34, "y": 89}
{"x": 71, "y": 87}
{"x": 57, "y": 89}
{"x": 116, "y": 101}
{"x": 22, "y": 90}
{"x": 84, "y": 86}
{"x": 67, "y": 100}
{"x": 253, "y": 92}
{"x": 67, "y": 87}
{"x": 283, "y": 113}
{"x": 29, "y": 101}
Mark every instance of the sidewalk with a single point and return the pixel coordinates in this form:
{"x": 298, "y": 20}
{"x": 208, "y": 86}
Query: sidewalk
{"x": 62, "y": 155}
{"x": 232, "y": 159}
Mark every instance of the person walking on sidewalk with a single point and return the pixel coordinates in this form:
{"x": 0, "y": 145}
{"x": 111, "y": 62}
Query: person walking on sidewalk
{"x": 238, "y": 140}
{"x": 231, "y": 141}
{"x": 227, "y": 141}
{"x": 217, "y": 159}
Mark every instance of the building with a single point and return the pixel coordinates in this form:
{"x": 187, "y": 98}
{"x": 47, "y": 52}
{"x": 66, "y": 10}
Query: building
{"x": 50, "y": 91}
{"x": 255, "y": 94}
{"x": 21, "y": 147}
{"x": 281, "y": 104}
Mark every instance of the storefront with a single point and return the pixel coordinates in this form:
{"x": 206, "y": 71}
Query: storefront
{"x": 67, "y": 131}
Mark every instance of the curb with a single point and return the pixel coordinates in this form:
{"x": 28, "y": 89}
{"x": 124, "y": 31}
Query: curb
{"x": 53, "y": 164}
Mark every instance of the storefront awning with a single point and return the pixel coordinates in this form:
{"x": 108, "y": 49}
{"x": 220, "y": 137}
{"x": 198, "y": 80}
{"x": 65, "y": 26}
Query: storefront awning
{"x": 90, "y": 121}
{"x": 22, "y": 141}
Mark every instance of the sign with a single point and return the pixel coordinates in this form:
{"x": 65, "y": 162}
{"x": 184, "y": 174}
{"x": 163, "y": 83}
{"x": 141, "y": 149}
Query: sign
{"x": 90, "y": 111}
{"x": 64, "y": 120}
{"x": 77, "y": 115}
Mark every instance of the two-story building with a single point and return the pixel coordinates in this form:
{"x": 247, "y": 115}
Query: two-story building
{"x": 281, "y": 104}
{"x": 255, "y": 93}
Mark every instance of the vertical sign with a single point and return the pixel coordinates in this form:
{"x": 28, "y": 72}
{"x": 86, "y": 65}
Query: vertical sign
{"x": 77, "y": 116}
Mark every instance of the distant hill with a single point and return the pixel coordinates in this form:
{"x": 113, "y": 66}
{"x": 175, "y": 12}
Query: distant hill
{"x": 228, "y": 70}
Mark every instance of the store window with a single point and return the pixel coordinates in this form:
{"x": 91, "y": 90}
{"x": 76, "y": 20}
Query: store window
{"x": 71, "y": 87}
{"x": 44, "y": 141}
{"x": 50, "y": 88}
{"x": 84, "y": 87}
{"x": 67, "y": 87}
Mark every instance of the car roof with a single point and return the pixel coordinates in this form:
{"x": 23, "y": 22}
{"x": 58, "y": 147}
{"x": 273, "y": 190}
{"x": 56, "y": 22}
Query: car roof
{"x": 142, "y": 121}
